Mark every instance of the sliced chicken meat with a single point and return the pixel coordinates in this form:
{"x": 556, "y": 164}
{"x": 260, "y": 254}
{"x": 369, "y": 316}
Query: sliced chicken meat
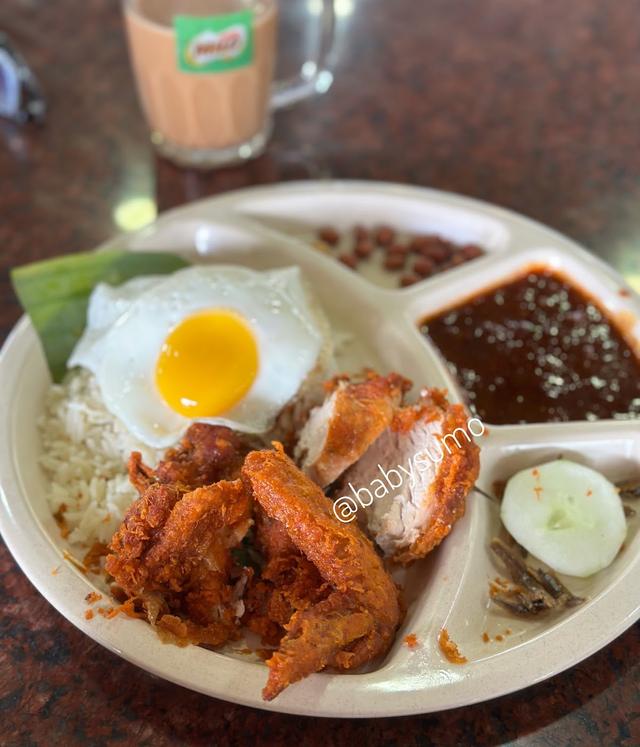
{"x": 410, "y": 486}
{"x": 353, "y": 415}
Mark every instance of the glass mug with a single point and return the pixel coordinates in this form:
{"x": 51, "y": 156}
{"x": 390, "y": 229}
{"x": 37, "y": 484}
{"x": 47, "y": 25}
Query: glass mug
{"x": 204, "y": 73}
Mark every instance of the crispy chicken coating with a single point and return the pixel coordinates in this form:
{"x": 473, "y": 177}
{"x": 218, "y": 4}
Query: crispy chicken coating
{"x": 207, "y": 453}
{"x": 412, "y": 483}
{"x": 357, "y": 621}
{"x": 316, "y": 637}
{"x": 142, "y": 525}
{"x": 173, "y": 548}
{"x": 178, "y": 546}
{"x": 288, "y": 582}
{"x": 355, "y": 412}
{"x": 455, "y": 478}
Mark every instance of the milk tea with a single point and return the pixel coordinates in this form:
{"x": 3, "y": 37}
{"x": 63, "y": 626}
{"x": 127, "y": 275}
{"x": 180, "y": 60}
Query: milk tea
{"x": 200, "y": 111}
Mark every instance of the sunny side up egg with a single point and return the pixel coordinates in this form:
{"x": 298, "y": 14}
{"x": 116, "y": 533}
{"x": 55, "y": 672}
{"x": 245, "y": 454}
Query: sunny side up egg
{"x": 217, "y": 344}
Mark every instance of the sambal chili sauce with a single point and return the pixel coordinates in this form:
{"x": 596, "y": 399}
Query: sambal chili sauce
{"x": 538, "y": 350}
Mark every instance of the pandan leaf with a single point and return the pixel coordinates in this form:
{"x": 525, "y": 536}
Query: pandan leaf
{"x": 55, "y": 293}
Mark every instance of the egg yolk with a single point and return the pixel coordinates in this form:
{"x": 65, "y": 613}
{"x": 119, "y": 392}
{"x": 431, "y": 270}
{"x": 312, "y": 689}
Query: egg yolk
{"x": 207, "y": 363}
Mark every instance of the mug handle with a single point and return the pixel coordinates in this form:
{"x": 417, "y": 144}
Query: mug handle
{"x": 314, "y": 78}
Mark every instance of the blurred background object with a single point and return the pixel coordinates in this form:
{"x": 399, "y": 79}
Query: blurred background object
{"x": 205, "y": 74}
{"x": 20, "y": 97}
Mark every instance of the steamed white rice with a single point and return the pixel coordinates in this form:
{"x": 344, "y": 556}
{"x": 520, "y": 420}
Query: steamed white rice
{"x": 86, "y": 450}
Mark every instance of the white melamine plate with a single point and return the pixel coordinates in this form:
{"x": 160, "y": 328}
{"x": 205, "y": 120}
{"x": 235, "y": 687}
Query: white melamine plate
{"x": 266, "y": 227}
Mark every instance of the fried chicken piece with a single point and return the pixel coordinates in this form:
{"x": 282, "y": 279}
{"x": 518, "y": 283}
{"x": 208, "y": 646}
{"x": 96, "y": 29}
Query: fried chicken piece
{"x": 357, "y": 621}
{"x": 351, "y": 418}
{"x": 412, "y": 483}
{"x": 139, "y": 530}
{"x": 141, "y": 476}
{"x": 201, "y": 529}
{"x": 206, "y": 454}
{"x": 172, "y": 549}
{"x": 178, "y": 544}
{"x": 288, "y": 582}
{"x": 314, "y": 639}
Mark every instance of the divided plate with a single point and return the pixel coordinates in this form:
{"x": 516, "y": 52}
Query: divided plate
{"x": 377, "y": 326}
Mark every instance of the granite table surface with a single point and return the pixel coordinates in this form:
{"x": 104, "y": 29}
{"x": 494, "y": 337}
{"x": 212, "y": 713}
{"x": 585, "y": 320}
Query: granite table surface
{"x": 533, "y": 105}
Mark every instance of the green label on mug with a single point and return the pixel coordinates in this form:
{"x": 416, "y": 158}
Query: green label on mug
{"x": 214, "y": 44}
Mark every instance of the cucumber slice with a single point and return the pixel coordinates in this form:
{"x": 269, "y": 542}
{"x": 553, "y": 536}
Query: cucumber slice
{"x": 569, "y": 516}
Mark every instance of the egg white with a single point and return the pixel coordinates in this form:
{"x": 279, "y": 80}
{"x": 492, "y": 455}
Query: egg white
{"x": 127, "y": 325}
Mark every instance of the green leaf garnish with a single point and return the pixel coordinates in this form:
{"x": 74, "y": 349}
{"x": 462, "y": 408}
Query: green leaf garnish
{"x": 245, "y": 554}
{"x": 55, "y": 293}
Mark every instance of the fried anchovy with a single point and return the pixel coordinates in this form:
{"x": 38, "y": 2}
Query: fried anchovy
{"x": 551, "y": 583}
{"x": 630, "y": 490}
{"x": 522, "y": 550}
{"x": 520, "y": 573}
{"x": 534, "y": 591}
{"x": 518, "y": 602}
{"x": 557, "y": 589}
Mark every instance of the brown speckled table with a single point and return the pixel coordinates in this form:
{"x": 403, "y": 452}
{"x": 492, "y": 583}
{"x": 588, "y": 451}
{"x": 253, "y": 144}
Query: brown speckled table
{"x": 532, "y": 104}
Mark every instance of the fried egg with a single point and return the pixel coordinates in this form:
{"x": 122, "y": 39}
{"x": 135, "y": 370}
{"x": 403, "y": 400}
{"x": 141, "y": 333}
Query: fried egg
{"x": 217, "y": 344}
